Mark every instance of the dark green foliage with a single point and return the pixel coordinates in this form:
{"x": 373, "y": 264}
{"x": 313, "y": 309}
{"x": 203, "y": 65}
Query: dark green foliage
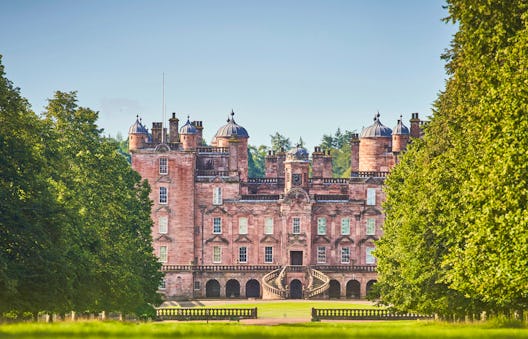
{"x": 455, "y": 235}
{"x": 257, "y": 161}
{"x": 339, "y": 147}
{"x": 74, "y": 217}
{"x": 280, "y": 143}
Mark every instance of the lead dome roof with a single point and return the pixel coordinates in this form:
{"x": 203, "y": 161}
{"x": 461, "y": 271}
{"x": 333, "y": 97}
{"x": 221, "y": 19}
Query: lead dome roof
{"x": 232, "y": 129}
{"x": 137, "y": 127}
{"x": 376, "y": 130}
{"x": 400, "y": 128}
{"x": 188, "y": 128}
{"x": 297, "y": 153}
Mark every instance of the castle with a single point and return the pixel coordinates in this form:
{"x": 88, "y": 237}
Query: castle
{"x": 296, "y": 233}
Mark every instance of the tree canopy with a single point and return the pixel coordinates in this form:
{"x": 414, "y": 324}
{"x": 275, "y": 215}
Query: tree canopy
{"x": 75, "y": 218}
{"x": 455, "y": 235}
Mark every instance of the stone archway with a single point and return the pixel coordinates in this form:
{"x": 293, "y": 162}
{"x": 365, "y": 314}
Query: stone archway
{"x": 232, "y": 289}
{"x": 296, "y": 290}
{"x": 370, "y": 292}
{"x": 353, "y": 289}
{"x": 252, "y": 289}
{"x": 212, "y": 289}
{"x": 334, "y": 292}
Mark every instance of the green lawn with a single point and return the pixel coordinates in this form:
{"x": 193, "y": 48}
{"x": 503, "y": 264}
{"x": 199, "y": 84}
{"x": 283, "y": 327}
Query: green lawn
{"x": 286, "y": 309}
{"x": 385, "y": 329}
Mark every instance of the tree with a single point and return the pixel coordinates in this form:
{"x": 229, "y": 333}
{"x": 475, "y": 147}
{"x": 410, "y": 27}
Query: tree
{"x": 32, "y": 268}
{"x": 280, "y": 143}
{"x": 339, "y": 146}
{"x": 108, "y": 213}
{"x": 257, "y": 161}
{"x": 468, "y": 176}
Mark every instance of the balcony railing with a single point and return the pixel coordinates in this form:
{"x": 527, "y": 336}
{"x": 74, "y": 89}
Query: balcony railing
{"x": 369, "y": 174}
{"x": 211, "y": 173}
{"x": 346, "y": 268}
{"x": 212, "y": 150}
{"x": 219, "y": 268}
{"x": 259, "y": 197}
{"x": 331, "y": 197}
{"x": 249, "y": 268}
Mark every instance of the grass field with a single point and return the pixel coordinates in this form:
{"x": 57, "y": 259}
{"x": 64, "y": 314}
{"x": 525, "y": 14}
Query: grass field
{"x": 385, "y": 329}
{"x": 269, "y": 310}
{"x": 285, "y": 309}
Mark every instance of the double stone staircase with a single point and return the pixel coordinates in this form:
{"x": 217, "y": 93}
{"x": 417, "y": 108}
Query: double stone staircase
{"x": 275, "y": 284}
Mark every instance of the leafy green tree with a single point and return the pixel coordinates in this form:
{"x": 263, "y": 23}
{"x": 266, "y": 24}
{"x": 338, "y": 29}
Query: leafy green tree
{"x": 339, "y": 146}
{"x": 257, "y": 161}
{"x": 468, "y": 176}
{"x": 108, "y": 214}
{"x": 32, "y": 266}
{"x": 280, "y": 143}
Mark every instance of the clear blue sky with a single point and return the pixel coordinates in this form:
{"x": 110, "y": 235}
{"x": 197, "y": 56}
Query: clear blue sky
{"x": 302, "y": 68}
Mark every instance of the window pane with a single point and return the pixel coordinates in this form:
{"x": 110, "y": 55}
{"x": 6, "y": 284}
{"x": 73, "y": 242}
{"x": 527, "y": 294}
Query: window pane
{"x": 163, "y": 224}
{"x": 217, "y": 196}
{"x": 345, "y": 226}
{"x": 296, "y": 227}
{"x": 371, "y": 226}
{"x": 370, "y": 256}
{"x": 163, "y": 166}
{"x": 345, "y": 255}
{"x": 217, "y": 225}
{"x": 371, "y": 196}
{"x": 217, "y": 254}
{"x": 321, "y": 226}
{"x": 163, "y": 254}
{"x": 268, "y": 254}
{"x": 321, "y": 254}
{"x": 268, "y": 226}
{"x": 163, "y": 195}
{"x": 242, "y": 225}
{"x": 242, "y": 254}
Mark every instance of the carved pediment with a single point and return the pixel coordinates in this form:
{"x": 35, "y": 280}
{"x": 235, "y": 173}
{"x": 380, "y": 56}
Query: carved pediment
{"x": 367, "y": 238}
{"x": 163, "y": 238}
{"x": 164, "y": 178}
{"x": 297, "y": 238}
{"x": 318, "y": 239}
{"x": 216, "y": 209}
{"x": 217, "y": 238}
{"x": 344, "y": 239}
{"x": 244, "y": 211}
{"x": 371, "y": 211}
{"x": 163, "y": 208}
{"x": 243, "y": 238}
{"x": 162, "y": 148}
{"x": 296, "y": 195}
{"x": 218, "y": 179}
{"x": 269, "y": 239}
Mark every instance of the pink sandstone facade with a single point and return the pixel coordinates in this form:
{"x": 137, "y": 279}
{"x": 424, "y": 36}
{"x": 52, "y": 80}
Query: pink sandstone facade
{"x": 222, "y": 234}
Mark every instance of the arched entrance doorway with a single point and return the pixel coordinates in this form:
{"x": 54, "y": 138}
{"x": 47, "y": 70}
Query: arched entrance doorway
{"x": 371, "y": 292}
{"x": 212, "y": 289}
{"x": 334, "y": 292}
{"x": 353, "y": 289}
{"x": 296, "y": 289}
{"x": 232, "y": 289}
{"x": 252, "y": 289}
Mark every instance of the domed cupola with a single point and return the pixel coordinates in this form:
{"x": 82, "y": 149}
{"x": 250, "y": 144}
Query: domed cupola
{"x": 297, "y": 153}
{"x": 377, "y": 129}
{"x": 231, "y": 129}
{"x": 138, "y": 135}
{"x": 188, "y": 128}
{"x": 400, "y": 128}
{"x": 137, "y": 127}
